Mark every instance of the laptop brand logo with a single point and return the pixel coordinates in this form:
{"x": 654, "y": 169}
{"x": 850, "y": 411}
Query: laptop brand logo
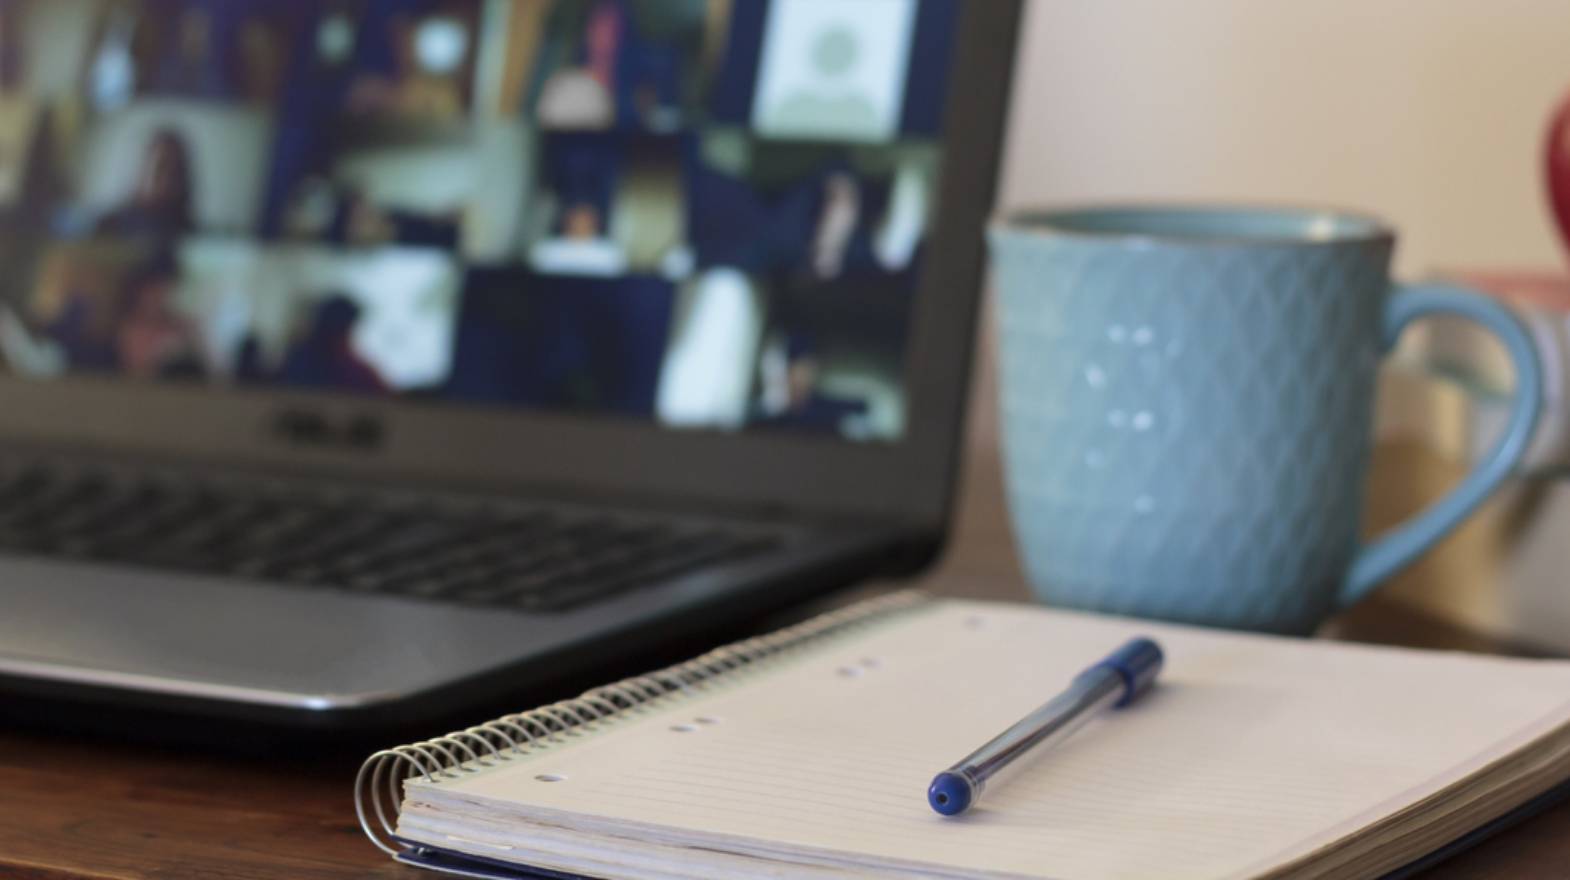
{"x": 349, "y": 433}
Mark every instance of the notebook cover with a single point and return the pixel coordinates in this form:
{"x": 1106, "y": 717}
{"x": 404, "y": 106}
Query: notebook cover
{"x": 465, "y": 865}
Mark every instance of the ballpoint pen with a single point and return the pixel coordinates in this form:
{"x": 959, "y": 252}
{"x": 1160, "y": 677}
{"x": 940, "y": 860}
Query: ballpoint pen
{"x": 1124, "y": 676}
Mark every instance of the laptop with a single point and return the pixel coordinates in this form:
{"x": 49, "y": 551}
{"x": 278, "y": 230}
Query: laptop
{"x": 364, "y": 359}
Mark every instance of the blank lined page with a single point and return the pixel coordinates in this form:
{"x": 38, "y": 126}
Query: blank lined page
{"x": 1251, "y": 750}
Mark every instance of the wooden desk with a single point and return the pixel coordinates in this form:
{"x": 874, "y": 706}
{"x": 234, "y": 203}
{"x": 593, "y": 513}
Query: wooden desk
{"x": 87, "y": 811}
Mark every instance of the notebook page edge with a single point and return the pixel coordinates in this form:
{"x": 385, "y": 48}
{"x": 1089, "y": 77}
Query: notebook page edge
{"x": 1544, "y": 730}
{"x": 643, "y": 835}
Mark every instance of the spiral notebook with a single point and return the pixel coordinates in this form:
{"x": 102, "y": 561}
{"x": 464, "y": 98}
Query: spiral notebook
{"x": 806, "y": 753}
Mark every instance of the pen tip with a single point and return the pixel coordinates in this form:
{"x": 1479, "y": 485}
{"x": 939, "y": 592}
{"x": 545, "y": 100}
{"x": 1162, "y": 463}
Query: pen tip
{"x": 949, "y": 794}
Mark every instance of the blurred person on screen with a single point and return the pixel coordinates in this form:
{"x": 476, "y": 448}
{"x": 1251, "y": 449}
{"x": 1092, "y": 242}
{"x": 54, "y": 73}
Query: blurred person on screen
{"x": 161, "y": 205}
{"x": 326, "y": 357}
{"x": 152, "y": 339}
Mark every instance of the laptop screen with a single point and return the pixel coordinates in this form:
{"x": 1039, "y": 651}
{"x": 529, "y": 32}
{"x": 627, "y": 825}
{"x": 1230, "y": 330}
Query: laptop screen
{"x": 707, "y": 214}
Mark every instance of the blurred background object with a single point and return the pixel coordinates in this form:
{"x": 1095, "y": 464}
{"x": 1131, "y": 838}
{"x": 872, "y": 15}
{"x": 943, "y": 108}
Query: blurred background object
{"x": 1556, "y": 167}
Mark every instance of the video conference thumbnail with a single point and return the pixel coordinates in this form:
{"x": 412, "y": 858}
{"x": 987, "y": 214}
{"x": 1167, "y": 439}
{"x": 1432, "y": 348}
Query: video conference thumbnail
{"x": 297, "y": 316}
{"x": 711, "y": 213}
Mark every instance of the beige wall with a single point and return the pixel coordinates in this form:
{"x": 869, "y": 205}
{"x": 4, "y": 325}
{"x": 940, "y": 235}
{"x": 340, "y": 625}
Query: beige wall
{"x": 1427, "y": 111}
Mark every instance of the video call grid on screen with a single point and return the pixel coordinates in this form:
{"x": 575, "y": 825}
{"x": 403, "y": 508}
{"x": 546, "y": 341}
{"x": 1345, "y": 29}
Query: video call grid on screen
{"x": 709, "y": 213}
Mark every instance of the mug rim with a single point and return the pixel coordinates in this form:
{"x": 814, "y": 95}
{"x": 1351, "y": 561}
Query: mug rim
{"x": 1343, "y": 226}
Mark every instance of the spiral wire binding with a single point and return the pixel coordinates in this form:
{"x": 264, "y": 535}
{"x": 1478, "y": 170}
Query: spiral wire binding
{"x": 378, "y": 786}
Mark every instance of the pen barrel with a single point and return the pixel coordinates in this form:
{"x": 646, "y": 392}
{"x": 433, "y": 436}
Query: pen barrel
{"x": 1091, "y": 693}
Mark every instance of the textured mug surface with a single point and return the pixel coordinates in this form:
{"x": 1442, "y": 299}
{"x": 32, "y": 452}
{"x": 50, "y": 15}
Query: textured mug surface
{"x": 1187, "y": 400}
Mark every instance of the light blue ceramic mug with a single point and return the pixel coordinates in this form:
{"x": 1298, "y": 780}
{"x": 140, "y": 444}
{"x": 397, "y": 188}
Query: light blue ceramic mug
{"x": 1187, "y": 400}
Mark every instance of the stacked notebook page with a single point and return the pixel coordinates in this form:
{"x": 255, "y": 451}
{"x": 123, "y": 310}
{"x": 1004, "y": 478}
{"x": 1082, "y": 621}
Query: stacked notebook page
{"x": 808, "y": 754}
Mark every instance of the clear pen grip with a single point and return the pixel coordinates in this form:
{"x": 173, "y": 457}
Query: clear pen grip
{"x": 1008, "y": 753}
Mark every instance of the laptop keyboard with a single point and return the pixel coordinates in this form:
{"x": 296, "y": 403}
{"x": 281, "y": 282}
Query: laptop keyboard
{"x": 535, "y": 558}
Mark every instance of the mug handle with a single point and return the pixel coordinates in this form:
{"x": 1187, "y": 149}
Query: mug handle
{"x": 1398, "y": 547}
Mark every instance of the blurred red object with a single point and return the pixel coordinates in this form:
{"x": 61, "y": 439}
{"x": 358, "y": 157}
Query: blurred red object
{"x": 1556, "y": 155}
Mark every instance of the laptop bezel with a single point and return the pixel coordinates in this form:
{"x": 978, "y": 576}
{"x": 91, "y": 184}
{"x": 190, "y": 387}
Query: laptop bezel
{"x": 455, "y": 444}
